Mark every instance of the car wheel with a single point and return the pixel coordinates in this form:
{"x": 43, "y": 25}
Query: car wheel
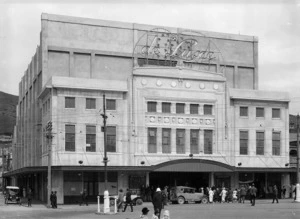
{"x": 180, "y": 200}
{"x": 139, "y": 201}
{"x": 204, "y": 201}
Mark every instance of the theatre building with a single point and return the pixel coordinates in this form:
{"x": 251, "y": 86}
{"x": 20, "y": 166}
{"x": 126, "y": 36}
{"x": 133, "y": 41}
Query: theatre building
{"x": 183, "y": 107}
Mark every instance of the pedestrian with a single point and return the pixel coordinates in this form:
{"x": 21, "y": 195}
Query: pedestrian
{"x": 242, "y": 194}
{"x": 157, "y": 201}
{"x": 275, "y": 194}
{"x": 84, "y": 199}
{"x": 211, "y": 195}
{"x": 165, "y": 196}
{"x": 128, "y": 200}
{"x": 234, "y": 195}
{"x": 223, "y": 194}
{"x": 55, "y": 199}
{"x": 283, "y": 192}
{"x": 120, "y": 199}
{"x": 29, "y": 197}
{"x": 145, "y": 211}
{"x": 52, "y": 199}
{"x": 253, "y": 191}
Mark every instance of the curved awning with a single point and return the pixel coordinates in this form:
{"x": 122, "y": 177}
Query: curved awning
{"x": 193, "y": 165}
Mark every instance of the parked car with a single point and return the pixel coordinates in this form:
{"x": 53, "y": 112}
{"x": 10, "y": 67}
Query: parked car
{"x": 12, "y": 195}
{"x": 183, "y": 194}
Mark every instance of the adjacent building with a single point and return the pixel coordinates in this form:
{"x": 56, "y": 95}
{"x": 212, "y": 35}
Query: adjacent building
{"x": 183, "y": 108}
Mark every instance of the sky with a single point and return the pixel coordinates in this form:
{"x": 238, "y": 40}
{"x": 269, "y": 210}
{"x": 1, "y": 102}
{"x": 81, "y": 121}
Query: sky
{"x": 276, "y": 23}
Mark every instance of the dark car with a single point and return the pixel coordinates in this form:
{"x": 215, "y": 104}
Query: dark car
{"x": 12, "y": 195}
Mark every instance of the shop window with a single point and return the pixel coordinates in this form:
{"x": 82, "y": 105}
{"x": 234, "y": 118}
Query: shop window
{"x": 207, "y": 109}
{"x": 276, "y": 143}
{"x": 151, "y": 106}
{"x": 166, "y": 107}
{"x": 194, "y": 108}
{"x": 70, "y": 137}
{"x": 243, "y": 142}
{"x": 180, "y": 108}
{"x": 166, "y": 140}
{"x": 90, "y": 138}
{"x": 180, "y": 141}
{"x": 208, "y": 140}
{"x": 260, "y": 143}
{"x": 69, "y": 102}
{"x": 275, "y": 113}
{"x": 152, "y": 133}
{"x": 110, "y": 104}
{"x": 111, "y": 138}
{"x": 194, "y": 140}
{"x": 244, "y": 111}
{"x": 90, "y": 103}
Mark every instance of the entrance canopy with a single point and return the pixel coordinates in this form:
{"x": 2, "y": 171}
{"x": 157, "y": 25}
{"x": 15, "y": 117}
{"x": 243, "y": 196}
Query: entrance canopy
{"x": 193, "y": 165}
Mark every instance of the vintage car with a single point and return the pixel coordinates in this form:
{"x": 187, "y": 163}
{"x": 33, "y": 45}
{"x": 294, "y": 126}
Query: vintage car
{"x": 12, "y": 195}
{"x": 183, "y": 194}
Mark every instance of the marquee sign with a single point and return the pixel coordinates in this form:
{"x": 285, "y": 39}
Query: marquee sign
{"x": 187, "y": 47}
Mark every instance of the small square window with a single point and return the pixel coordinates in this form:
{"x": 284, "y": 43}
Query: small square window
{"x": 90, "y": 103}
{"x": 194, "y": 108}
{"x": 110, "y": 104}
{"x": 151, "y": 106}
{"x": 276, "y": 113}
{"x": 166, "y": 107}
{"x": 243, "y": 111}
{"x": 260, "y": 112}
{"x": 179, "y": 107}
{"x": 69, "y": 102}
{"x": 207, "y": 109}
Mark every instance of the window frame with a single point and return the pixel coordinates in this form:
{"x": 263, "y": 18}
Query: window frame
{"x": 194, "y": 141}
{"x": 244, "y": 107}
{"x": 205, "y": 109}
{"x": 208, "y": 145}
{"x": 70, "y": 98}
{"x": 90, "y": 136}
{"x": 180, "y": 141}
{"x": 246, "y": 140}
{"x": 111, "y": 147}
{"x": 194, "y": 109}
{"x": 152, "y": 140}
{"x": 70, "y": 135}
{"x": 88, "y": 103}
{"x": 256, "y": 112}
{"x": 150, "y": 107}
{"x": 276, "y": 148}
{"x": 180, "y": 110}
{"x": 166, "y": 105}
{"x": 279, "y": 113}
{"x": 166, "y": 147}
{"x": 260, "y": 143}
{"x": 111, "y": 103}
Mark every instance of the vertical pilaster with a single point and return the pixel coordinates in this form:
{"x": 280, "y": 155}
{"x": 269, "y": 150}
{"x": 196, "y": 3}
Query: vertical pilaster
{"x": 187, "y": 141}
{"x": 159, "y": 140}
{"x": 173, "y": 141}
{"x": 201, "y": 141}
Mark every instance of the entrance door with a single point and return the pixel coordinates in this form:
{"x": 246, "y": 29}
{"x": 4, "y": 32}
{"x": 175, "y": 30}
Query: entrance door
{"x": 223, "y": 181}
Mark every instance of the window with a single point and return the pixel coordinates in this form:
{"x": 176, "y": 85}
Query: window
{"x": 180, "y": 141}
{"x": 243, "y": 142}
{"x": 69, "y": 102}
{"x": 208, "y": 138}
{"x": 152, "y": 140}
{"x": 194, "y": 140}
{"x": 166, "y": 140}
{"x": 179, "y": 107}
{"x": 260, "y": 112}
{"x": 207, "y": 109}
{"x": 243, "y": 111}
{"x": 70, "y": 137}
{"x": 276, "y": 143}
{"x": 110, "y": 104}
{"x": 275, "y": 113}
{"x": 90, "y": 141}
{"x": 90, "y": 103}
{"x": 111, "y": 138}
{"x": 151, "y": 106}
{"x": 194, "y": 109}
{"x": 166, "y": 107}
{"x": 260, "y": 143}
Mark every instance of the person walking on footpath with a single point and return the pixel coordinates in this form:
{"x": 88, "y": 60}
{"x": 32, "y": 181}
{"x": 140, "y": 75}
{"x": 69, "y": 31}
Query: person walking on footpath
{"x": 157, "y": 201}
{"x": 52, "y": 199}
{"x": 253, "y": 191}
{"x": 29, "y": 197}
{"x": 55, "y": 199}
{"x": 84, "y": 199}
{"x": 128, "y": 200}
{"x": 211, "y": 195}
{"x": 275, "y": 194}
{"x": 120, "y": 199}
{"x": 243, "y": 194}
{"x": 223, "y": 194}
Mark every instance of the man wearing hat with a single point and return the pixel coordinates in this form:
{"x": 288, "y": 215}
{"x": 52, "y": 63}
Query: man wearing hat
{"x": 157, "y": 201}
{"x": 144, "y": 213}
{"x": 253, "y": 191}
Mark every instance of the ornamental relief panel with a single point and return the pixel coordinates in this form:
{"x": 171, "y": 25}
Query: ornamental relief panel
{"x": 179, "y": 120}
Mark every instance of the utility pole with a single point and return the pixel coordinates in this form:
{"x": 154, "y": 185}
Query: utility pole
{"x": 105, "y": 160}
{"x": 298, "y": 155}
{"x": 49, "y": 141}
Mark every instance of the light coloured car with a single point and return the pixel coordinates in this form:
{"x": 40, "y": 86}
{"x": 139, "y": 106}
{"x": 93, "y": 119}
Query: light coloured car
{"x": 184, "y": 194}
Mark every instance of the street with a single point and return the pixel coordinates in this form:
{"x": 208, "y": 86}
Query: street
{"x": 264, "y": 209}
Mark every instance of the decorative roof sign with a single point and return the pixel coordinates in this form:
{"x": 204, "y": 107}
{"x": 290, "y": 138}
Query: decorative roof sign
{"x": 188, "y": 47}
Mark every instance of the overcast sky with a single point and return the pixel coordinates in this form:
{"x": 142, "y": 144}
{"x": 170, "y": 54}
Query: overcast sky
{"x": 276, "y": 23}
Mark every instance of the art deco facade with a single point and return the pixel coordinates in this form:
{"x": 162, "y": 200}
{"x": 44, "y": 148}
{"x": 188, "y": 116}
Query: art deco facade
{"x": 183, "y": 108}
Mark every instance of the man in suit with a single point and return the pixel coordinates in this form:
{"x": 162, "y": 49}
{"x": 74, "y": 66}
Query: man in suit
{"x": 253, "y": 191}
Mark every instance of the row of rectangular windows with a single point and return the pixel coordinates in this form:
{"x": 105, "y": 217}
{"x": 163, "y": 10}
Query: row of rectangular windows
{"x": 260, "y": 112}
{"x": 260, "y": 143}
{"x": 90, "y": 103}
{"x": 70, "y": 138}
{"x": 180, "y": 108}
{"x": 180, "y": 141}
